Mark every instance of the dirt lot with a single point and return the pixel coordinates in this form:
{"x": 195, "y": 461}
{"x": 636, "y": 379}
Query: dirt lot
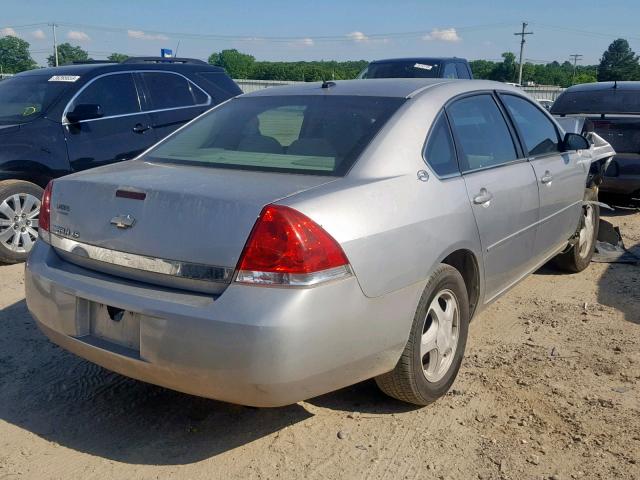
{"x": 550, "y": 388}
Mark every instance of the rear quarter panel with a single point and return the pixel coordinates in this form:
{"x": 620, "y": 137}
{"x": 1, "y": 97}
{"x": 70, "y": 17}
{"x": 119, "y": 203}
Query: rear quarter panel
{"x": 34, "y": 151}
{"x": 394, "y": 228}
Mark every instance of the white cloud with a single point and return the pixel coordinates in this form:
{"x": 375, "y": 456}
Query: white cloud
{"x": 5, "y": 32}
{"x": 38, "y": 34}
{"x": 443, "y": 35}
{"x": 303, "y": 42}
{"x": 140, "y": 35}
{"x": 78, "y": 36}
{"x": 357, "y": 37}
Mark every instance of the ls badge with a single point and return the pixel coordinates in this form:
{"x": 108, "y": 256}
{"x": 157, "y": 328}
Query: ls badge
{"x": 123, "y": 221}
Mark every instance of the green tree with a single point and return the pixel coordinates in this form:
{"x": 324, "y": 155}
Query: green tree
{"x": 585, "y": 77}
{"x": 482, "y": 68}
{"x": 237, "y": 64}
{"x": 68, "y": 53}
{"x": 14, "y": 55}
{"x": 619, "y": 62}
{"x": 117, "y": 57}
{"x": 506, "y": 70}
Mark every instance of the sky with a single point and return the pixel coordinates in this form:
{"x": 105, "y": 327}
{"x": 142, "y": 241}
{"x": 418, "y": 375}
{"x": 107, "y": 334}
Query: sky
{"x": 326, "y": 29}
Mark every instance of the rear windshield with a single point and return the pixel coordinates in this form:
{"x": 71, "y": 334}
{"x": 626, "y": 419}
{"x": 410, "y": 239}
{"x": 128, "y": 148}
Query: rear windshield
{"x": 313, "y": 134}
{"x": 413, "y": 69}
{"x": 598, "y": 101}
{"x": 25, "y": 97}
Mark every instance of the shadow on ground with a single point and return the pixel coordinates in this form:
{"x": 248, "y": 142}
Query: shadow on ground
{"x": 619, "y": 285}
{"x": 64, "y": 399}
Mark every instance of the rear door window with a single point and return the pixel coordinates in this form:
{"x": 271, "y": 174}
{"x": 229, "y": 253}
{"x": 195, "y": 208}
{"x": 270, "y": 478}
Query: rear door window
{"x": 115, "y": 93}
{"x": 609, "y": 100}
{"x": 481, "y": 133}
{"x": 169, "y": 90}
{"x": 439, "y": 152}
{"x": 538, "y": 132}
{"x": 463, "y": 71}
{"x": 450, "y": 71}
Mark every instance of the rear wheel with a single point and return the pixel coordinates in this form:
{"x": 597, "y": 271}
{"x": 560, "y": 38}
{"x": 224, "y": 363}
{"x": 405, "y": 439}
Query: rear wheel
{"x": 578, "y": 257}
{"x": 19, "y": 212}
{"x": 433, "y": 354}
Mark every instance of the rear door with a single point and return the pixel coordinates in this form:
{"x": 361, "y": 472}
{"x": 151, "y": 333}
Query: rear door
{"x": 501, "y": 186}
{"x": 560, "y": 175}
{"x": 171, "y": 100}
{"x": 121, "y": 133}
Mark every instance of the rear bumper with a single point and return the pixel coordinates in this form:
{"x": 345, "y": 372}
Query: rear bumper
{"x": 251, "y": 345}
{"x": 623, "y": 175}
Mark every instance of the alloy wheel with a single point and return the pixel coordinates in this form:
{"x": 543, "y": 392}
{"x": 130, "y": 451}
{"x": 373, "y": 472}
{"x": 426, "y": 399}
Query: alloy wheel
{"x": 19, "y": 222}
{"x": 585, "y": 237}
{"x": 440, "y": 335}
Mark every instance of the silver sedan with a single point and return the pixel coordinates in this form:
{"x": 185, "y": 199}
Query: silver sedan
{"x": 300, "y": 239}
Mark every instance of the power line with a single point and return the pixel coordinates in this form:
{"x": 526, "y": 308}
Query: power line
{"x": 328, "y": 38}
{"x": 585, "y": 32}
{"x": 522, "y": 35}
{"x": 28, "y": 25}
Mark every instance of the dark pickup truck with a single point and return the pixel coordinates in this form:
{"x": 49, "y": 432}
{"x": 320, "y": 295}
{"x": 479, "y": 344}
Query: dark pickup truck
{"x": 418, "y": 67}
{"x": 612, "y": 110}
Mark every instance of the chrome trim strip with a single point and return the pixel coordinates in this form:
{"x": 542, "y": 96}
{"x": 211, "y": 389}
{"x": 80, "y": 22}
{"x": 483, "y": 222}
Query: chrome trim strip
{"x": 176, "y": 268}
{"x": 66, "y": 108}
{"x": 533, "y": 225}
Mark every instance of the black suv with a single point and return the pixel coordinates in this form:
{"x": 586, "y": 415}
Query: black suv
{"x": 55, "y": 121}
{"x": 612, "y": 110}
{"x": 418, "y": 67}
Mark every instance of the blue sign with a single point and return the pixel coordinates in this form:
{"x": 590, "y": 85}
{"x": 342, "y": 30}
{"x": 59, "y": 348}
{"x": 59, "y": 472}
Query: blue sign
{"x": 166, "y": 53}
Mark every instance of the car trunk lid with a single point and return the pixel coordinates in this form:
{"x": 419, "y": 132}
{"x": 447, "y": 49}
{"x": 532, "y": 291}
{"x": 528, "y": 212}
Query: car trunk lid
{"x": 191, "y": 216}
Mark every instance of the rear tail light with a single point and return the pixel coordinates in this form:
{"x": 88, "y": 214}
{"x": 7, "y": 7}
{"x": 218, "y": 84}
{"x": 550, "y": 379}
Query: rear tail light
{"x": 286, "y": 247}
{"x": 44, "y": 219}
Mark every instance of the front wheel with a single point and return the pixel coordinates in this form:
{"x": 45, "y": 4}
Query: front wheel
{"x": 579, "y": 255}
{"x": 433, "y": 354}
{"x": 19, "y": 212}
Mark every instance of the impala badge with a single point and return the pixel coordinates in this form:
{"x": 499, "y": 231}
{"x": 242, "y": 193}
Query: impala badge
{"x": 123, "y": 221}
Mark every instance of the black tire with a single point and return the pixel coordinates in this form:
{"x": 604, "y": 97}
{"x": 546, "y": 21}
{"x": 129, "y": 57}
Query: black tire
{"x": 576, "y": 259}
{"x": 9, "y": 188}
{"x": 408, "y": 381}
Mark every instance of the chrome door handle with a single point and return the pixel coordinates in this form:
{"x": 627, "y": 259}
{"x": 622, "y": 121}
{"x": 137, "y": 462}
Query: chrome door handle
{"x": 547, "y": 177}
{"x": 483, "y": 198}
{"x": 139, "y": 128}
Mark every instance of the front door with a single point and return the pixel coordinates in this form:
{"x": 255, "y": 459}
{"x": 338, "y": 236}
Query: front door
{"x": 560, "y": 175}
{"x": 502, "y": 190}
{"x": 123, "y": 131}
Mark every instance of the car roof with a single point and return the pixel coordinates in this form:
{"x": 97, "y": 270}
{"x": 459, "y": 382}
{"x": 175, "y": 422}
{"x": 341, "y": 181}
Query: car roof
{"x": 100, "y": 68}
{"x": 590, "y": 87}
{"x": 378, "y": 87}
{"x": 420, "y": 59}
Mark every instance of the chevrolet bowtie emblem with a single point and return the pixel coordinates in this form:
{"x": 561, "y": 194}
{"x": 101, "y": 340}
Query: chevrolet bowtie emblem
{"x": 123, "y": 221}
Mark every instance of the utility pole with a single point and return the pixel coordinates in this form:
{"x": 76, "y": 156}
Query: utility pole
{"x": 55, "y": 43}
{"x": 576, "y": 57}
{"x": 522, "y": 41}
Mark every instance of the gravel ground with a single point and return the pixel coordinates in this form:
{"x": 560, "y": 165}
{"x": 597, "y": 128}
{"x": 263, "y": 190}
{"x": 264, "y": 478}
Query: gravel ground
{"x": 550, "y": 388}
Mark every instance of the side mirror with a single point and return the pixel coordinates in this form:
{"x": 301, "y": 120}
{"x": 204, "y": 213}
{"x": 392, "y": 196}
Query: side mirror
{"x": 574, "y": 141}
{"x": 87, "y": 111}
